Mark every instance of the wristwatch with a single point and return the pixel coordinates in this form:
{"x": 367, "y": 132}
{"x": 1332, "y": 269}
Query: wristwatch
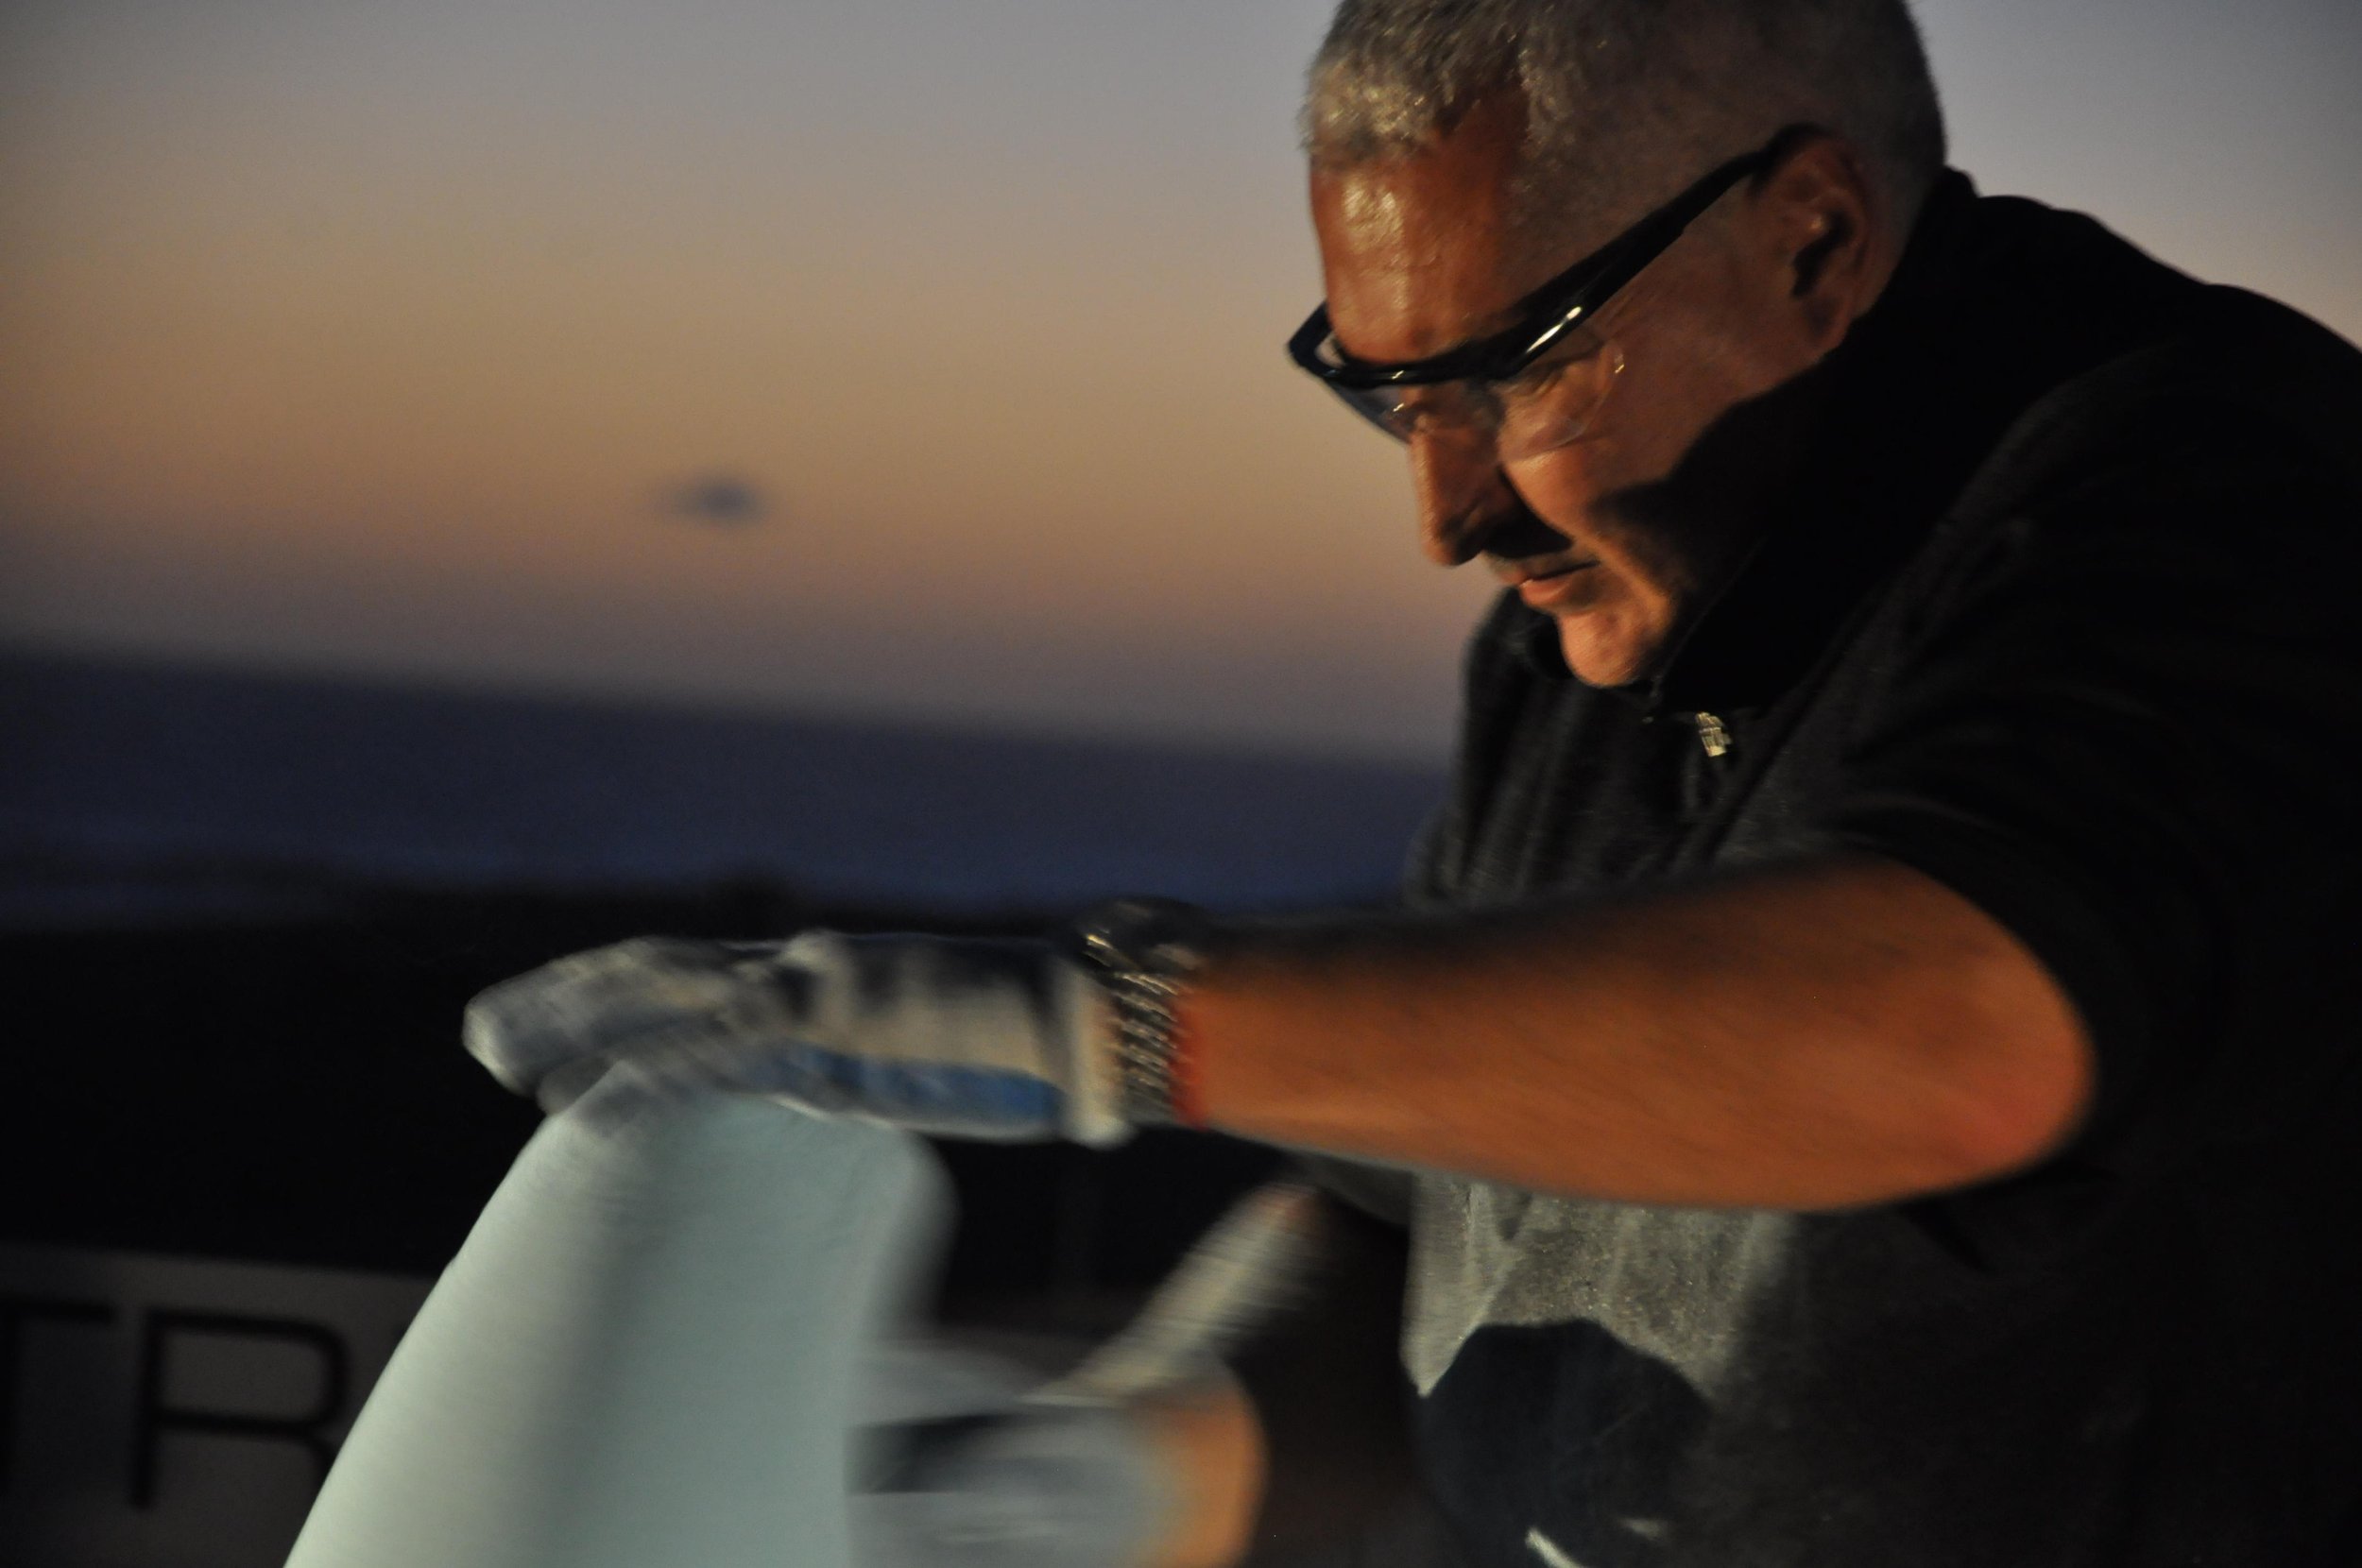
{"x": 1143, "y": 951}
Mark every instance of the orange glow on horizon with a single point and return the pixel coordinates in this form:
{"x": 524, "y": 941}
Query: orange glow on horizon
{"x": 377, "y": 337}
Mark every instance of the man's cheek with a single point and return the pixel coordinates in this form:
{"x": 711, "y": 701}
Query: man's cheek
{"x": 1563, "y": 489}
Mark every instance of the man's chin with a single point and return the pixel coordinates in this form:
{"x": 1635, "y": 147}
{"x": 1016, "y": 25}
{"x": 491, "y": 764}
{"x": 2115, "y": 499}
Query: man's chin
{"x": 1604, "y": 650}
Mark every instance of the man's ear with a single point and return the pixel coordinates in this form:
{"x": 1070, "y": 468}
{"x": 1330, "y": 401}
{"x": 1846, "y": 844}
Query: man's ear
{"x": 1822, "y": 212}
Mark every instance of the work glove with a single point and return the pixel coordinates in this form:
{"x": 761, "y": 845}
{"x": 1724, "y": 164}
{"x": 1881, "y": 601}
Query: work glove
{"x": 963, "y": 1469}
{"x": 999, "y": 1040}
{"x": 1032, "y": 1485}
{"x": 960, "y": 1460}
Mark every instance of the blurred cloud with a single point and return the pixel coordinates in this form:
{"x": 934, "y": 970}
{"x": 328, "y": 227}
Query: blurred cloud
{"x": 724, "y": 500}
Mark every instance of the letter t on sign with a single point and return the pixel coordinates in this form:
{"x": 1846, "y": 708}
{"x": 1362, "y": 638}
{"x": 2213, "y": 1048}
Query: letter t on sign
{"x": 15, "y": 1311}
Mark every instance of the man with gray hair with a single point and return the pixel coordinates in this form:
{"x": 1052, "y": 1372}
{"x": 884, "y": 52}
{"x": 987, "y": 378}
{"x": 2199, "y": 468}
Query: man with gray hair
{"x": 1867, "y": 1068}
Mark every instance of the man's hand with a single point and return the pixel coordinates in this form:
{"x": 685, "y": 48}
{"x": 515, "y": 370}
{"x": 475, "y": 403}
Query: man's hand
{"x": 1000, "y": 1040}
{"x": 967, "y": 1458}
{"x": 1169, "y": 1480}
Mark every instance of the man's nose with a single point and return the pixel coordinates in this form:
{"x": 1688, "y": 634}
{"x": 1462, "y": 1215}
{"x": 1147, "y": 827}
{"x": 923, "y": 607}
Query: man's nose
{"x": 1461, "y": 495}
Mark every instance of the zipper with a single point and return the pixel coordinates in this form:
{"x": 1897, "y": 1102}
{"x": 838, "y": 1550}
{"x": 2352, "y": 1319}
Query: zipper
{"x": 1713, "y": 734}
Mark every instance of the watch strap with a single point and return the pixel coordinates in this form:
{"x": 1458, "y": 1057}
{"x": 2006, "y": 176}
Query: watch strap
{"x": 1144, "y": 952}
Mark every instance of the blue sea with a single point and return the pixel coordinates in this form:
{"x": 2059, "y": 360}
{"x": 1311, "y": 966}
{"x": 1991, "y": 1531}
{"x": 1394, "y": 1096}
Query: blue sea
{"x": 132, "y": 793}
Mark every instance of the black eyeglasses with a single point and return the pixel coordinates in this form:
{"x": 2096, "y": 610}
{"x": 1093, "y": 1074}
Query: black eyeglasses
{"x": 1537, "y": 384}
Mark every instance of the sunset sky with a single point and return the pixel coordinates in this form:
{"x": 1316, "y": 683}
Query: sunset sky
{"x": 914, "y": 357}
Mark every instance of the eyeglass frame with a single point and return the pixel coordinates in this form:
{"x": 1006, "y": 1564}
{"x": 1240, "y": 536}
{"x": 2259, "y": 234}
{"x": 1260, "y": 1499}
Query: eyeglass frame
{"x": 1548, "y": 313}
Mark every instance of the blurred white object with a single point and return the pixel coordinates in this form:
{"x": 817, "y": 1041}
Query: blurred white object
{"x": 646, "y": 1353}
{"x": 1028, "y": 1486}
{"x": 964, "y": 1037}
{"x": 1254, "y": 1264}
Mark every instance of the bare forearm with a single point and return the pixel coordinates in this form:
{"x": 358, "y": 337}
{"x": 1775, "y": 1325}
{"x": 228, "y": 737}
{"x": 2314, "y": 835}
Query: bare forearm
{"x": 1839, "y": 1032}
{"x": 1214, "y": 1456}
{"x": 1304, "y": 1438}
{"x": 1331, "y": 1397}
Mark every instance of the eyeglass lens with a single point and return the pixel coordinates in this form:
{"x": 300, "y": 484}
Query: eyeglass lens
{"x": 1550, "y": 405}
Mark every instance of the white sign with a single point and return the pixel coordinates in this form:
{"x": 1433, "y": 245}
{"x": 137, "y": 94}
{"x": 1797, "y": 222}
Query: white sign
{"x": 163, "y": 1412}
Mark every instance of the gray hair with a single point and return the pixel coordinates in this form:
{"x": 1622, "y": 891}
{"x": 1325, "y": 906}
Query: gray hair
{"x": 1629, "y": 100}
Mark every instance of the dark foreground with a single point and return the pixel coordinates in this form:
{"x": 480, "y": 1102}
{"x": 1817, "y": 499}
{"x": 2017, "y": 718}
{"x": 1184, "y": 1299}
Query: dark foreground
{"x": 295, "y": 1092}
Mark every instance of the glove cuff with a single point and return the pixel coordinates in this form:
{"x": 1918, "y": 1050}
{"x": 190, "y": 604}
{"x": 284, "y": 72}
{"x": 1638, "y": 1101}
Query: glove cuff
{"x": 1094, "y": 1103}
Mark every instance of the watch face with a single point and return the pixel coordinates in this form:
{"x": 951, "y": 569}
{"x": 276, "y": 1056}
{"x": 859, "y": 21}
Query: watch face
{"x": 1162, "y": 936}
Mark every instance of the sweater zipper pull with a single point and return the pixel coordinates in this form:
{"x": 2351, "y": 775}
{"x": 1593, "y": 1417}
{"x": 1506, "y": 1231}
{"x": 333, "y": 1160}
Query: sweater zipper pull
{"x": 1714, "y": 735}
